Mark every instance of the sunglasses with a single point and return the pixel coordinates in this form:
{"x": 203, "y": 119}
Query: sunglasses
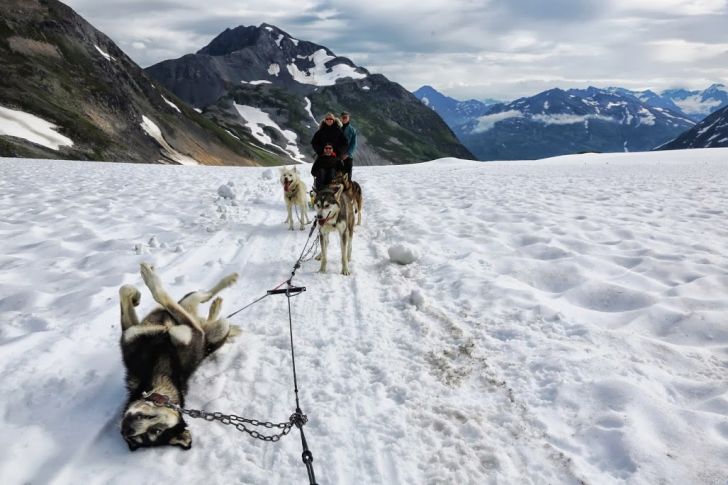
{"x": 329, "y": 119}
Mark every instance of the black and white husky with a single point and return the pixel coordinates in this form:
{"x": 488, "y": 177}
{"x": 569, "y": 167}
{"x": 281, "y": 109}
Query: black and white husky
{"x": 335, "y": 213}
{"x": 295, "y": 194}
{"x": 160, "y": 354}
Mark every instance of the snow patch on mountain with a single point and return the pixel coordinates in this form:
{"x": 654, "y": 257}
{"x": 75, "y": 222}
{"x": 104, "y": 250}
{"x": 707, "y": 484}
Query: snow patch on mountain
{"x": 29, "y": 127}
{"x": 106, "y": 56}
{"x": 274, "y": 69}
{"x": 170, "y": 103}
{"x": 320, "y": 75}
{"x": 151, "y": 129}
{"x": 567, "y": 119}
{"x": 256, "y": 120}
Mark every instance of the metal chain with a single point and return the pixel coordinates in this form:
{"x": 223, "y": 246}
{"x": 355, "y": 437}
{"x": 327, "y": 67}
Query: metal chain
{"x": 239, "y": 423}
{"x": 311, "y": 252}
{"x": 232, "y": 419}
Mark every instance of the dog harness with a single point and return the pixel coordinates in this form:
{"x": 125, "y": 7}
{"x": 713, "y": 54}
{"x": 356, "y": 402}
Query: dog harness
{"x": 290, "y": 193}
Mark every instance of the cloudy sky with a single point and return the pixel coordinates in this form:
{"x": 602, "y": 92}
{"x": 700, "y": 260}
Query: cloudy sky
{"x": 479, "y": 49}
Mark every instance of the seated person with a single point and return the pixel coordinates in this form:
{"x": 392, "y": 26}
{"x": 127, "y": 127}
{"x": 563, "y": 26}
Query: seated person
{"x": 325, "y": 168}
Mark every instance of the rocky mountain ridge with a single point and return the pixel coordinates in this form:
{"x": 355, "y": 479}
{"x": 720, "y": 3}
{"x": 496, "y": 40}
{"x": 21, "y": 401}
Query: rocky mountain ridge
{"x": 59, "y": 71}
{"x": 261, "y": 80}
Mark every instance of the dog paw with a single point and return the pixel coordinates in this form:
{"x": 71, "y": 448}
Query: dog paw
{"x": 215, "y": 308}
{"x": 230, "y": 279}
{"x": 317, "y": 257}
{"x": 130, "y": 293}
{"x": 345, "y": 272}
{"x": 151, "y": 280}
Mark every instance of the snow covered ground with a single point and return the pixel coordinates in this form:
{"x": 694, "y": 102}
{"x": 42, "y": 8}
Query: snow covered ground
{"x": 564, "y": 321}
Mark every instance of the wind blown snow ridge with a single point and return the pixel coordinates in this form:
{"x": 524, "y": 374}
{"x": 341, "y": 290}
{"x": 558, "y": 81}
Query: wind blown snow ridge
{"x": 523, "y": 322}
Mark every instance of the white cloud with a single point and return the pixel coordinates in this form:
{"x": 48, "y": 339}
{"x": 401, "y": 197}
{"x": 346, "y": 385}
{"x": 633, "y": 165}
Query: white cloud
{"x": 487, "y": 122}
{"x": 488, "y": 48}
{"x": 682, "y": 51}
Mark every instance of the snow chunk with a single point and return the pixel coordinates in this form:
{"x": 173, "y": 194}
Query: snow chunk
{"x": 29, "y": 127}
{"x": 268, "y": 174}
{"x": 417, "y": 299}
{"x": 227, "y": 191}
{"x": 403, "y": 253}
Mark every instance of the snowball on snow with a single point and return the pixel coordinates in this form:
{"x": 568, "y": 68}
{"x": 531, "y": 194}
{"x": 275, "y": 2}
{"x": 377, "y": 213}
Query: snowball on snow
{"x": 403, "y": 254}
{"x": 268, "y": 174}
{"x": 226, "y": 191}
{"x": 417, "y": 298}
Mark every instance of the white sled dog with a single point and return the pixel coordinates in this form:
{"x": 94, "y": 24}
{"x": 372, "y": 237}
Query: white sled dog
{"x": 335, "y": 213}
{"x": 160, "y": 354}
{"x": 295, "y": 194}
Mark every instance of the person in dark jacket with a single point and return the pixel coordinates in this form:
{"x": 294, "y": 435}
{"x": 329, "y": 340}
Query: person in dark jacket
{"x": 329, "y": 132}
{"x": 326, "y": 167}
{"x": 350, "y": 134}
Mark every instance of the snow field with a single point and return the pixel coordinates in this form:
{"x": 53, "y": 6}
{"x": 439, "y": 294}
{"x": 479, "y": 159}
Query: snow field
{"x": 563, "y": 321}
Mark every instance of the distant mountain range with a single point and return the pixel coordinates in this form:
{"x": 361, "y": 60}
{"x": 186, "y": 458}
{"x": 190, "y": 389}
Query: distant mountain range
{"x": 451, "y": 110}
{"x": 558, "y": 122}
{"x": 263, "y": 81}
{"x": 60, "y": 73}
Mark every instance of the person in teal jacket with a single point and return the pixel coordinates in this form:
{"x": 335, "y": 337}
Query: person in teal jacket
{"x": 350, "y": 134}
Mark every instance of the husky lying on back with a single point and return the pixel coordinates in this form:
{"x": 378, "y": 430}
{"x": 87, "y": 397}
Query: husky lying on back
{"x": 335, "y": 212}
{"x": 160, "y": 354}
{"x": 295, "y": 194}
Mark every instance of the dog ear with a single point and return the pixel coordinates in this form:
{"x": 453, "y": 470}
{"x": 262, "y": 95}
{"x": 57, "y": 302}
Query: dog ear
{"x": 345, "y": 178}
{"x": 338, "y": 192}
{"x": 183, "y": 440}
{"x": 133, "y": 445}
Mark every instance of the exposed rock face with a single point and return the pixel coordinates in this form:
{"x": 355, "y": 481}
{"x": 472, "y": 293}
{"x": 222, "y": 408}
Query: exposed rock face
{"x": 294, "y": 83}
{"x": 710, "y": 133}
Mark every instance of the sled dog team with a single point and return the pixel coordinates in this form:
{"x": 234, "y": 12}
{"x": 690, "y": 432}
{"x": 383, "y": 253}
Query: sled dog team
{"x": 162, "y": 351}
{"x": 337, "y": 198}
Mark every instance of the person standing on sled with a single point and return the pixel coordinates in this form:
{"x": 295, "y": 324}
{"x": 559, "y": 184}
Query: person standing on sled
{"x": 326, "y": 167}
{"x": 350, "y": 134}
